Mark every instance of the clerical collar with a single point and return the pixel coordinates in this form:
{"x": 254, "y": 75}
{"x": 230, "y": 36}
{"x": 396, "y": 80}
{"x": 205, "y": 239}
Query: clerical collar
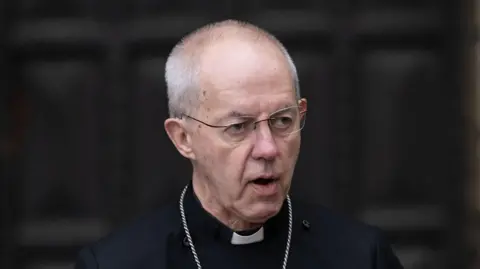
{"x": 240, "y": 238}
{"x": 204, "y": 226}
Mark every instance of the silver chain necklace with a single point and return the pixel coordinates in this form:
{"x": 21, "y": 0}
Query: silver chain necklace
{"x": 192, "y": 247}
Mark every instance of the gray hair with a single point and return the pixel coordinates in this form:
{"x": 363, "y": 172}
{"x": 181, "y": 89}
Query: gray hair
{"x": 181, "y": 68}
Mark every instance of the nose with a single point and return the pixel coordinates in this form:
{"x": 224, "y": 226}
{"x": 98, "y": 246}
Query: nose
{"x": 265, "y": 146}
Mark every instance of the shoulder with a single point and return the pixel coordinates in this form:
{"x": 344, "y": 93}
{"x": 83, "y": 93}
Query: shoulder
{"x": 323, "y": 219}
{"x": 132, "y": 243}
{"x": 351, "y": 241}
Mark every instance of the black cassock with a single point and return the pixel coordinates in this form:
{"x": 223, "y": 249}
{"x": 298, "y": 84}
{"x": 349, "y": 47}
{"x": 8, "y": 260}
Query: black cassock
{"x": 320, "y": 239}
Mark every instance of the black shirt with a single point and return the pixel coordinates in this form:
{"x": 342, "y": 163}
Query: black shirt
{"x": 320, "y": 239}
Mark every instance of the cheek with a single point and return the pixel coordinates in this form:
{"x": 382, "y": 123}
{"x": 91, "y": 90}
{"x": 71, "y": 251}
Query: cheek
{"x": 224, "y": 162}
{"x": 291, "y": 148}
{"x": 233, "y": 163}
{"x": 205, "y": 153}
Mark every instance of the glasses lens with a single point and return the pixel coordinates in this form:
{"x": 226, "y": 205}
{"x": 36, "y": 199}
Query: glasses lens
{"x": 287, "y": 121}
{"x": 284, "y": 122}
{"x": 237, "y": 132}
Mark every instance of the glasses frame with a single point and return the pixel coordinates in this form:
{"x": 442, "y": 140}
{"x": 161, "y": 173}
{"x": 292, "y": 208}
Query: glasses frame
{"x": 302, "y": 115}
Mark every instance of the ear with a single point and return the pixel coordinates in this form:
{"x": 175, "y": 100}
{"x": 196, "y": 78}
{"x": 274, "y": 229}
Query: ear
{"x": 177, "y": 132}
{"x": 302, "y": 103}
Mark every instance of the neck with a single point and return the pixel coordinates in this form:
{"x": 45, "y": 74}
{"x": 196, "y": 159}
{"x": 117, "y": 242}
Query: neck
{"x": 210, "y": 203}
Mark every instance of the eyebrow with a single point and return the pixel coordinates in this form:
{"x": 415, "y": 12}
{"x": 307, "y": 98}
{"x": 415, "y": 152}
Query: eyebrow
{"x": 238, "y": 114}
{"x": 285, "y": 106}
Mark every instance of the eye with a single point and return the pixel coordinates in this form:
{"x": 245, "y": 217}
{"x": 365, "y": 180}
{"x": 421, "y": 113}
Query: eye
{"x": 281, "y": 122}
{"x": 237, "y": 128}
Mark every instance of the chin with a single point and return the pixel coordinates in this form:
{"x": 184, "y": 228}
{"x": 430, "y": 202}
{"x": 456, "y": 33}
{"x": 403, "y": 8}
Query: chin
{"x": 261, "y": 211}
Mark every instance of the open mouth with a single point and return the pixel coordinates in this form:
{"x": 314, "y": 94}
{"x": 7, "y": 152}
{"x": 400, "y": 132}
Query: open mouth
{"x": 264, "y": 181}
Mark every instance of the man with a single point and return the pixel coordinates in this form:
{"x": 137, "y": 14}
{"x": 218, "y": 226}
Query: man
{"x": 236, "y": 114}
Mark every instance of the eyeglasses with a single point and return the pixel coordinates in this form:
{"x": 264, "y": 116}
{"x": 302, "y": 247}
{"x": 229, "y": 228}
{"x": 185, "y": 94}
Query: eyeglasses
{"x": 282, "y": 123}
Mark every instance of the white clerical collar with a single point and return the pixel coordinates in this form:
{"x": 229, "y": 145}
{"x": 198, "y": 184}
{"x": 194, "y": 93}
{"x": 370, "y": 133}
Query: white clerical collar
{"x": 238, "y": 239}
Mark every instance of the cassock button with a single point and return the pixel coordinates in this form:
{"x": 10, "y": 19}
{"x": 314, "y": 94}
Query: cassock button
{"x": 185, "y": 242}
{"x": 306, "y": 224}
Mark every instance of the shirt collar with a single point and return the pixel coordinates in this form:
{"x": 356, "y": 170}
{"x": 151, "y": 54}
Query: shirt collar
{"x": 239, "y": 239}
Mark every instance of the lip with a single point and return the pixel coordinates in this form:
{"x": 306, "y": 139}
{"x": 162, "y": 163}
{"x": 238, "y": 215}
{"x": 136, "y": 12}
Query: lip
{"x": 269, "y": 189}
{"x": 272, "y": 176}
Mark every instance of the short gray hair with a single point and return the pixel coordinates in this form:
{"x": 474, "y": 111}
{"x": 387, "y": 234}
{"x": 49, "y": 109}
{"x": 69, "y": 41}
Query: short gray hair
{"x": 181, "y": 68}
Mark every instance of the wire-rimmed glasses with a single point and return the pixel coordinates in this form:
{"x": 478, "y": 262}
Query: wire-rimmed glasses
{"x": 282, "y": 123}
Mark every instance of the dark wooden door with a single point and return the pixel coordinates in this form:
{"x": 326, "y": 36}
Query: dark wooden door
{"x": 383, "y": 140}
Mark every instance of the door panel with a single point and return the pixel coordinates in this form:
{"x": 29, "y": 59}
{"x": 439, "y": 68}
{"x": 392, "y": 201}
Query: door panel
{"x": 382, "y": 140}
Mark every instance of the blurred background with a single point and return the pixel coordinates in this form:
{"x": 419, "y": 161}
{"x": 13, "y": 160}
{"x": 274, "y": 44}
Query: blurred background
{"x": 391, "y": 134}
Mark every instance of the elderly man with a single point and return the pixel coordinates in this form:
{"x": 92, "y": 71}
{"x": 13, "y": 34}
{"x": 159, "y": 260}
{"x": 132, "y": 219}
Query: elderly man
{"x": 236, "y": 114}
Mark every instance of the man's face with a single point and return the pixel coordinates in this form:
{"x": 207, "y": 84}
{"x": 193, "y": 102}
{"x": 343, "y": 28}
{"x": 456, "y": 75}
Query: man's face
{"x": 241, "y": 79}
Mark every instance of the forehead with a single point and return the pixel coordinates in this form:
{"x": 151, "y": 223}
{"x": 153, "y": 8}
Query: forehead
{"x": 245, "y": 76}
